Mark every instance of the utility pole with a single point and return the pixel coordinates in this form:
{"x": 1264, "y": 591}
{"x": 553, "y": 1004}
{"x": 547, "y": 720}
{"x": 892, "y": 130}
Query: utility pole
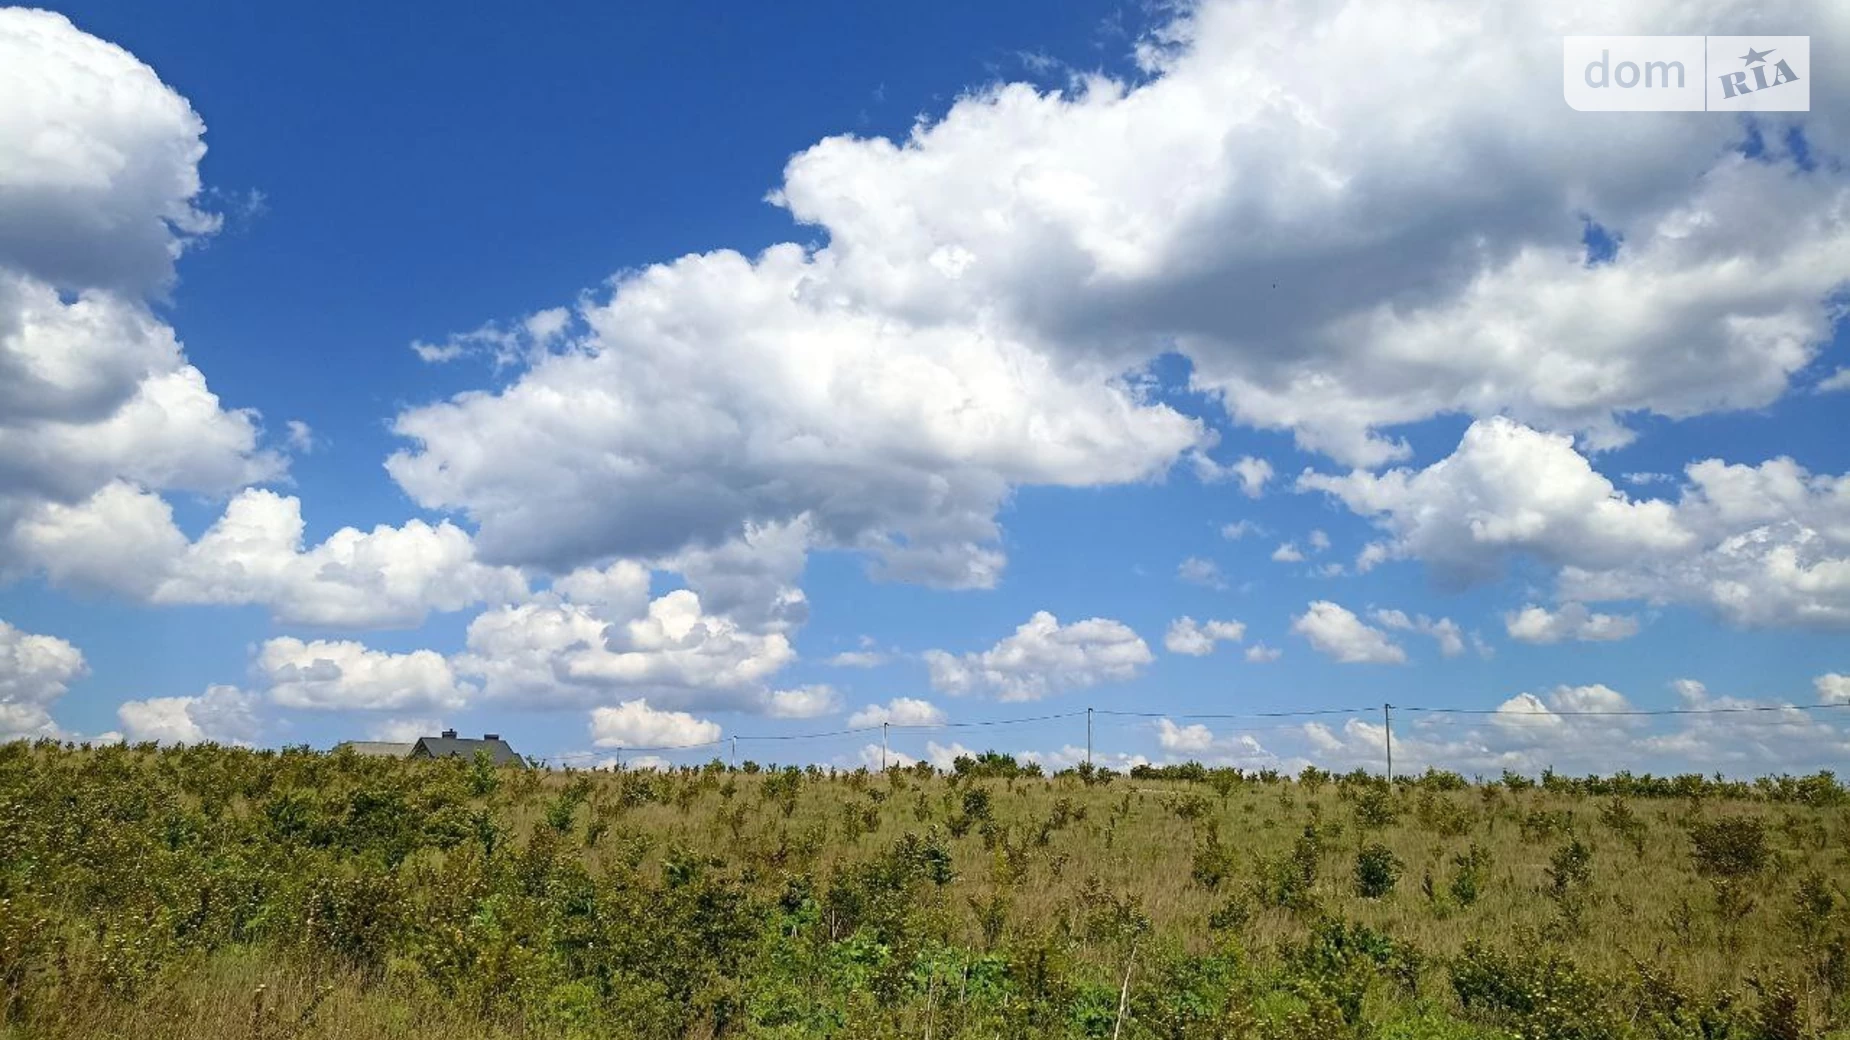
{"x": 733, "y": 762}
{"x": 883, "y": 727}
{"x": 1387, "y": 724}
{"x": 1088, "y": 736}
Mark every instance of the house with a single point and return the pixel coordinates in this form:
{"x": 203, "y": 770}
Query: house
{"x": 449, "y": 745}
{"x": 375, "y": 748}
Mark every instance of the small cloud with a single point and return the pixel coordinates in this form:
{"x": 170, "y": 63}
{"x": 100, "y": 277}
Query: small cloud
{"x": 804, "y": 702}
{"x": 1252, "y": 473}
{"x": 526, "y": 340}
{"x": 1288, "y": 553}
{"x": 1043, "y": 657}
{"x": 1336, "y": 632}
{"x": 1197, "y": 638}
{"x": 1538, "y": 625}
{"x": 1373, "y": 555}
{"x": 301, "y": 437}
{"x": 437, "y": 353}
{"x": 1198, "y": 571}
{"x": 1450, "y": 637}
{"x": 404, "y": 731}
{"x": 1259, "y": 653}
{"x": 900, "y": 711}
{"x": 1239, "y": 529}
{"x": 1833, "y": 383}
{"x": 1446, "y": 631}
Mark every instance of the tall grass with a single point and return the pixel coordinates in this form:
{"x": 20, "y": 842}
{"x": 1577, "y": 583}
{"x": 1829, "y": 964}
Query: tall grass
{"x": 216, "y": 892}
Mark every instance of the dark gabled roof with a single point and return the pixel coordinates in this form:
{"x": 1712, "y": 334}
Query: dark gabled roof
{"x": 464, "y": 747}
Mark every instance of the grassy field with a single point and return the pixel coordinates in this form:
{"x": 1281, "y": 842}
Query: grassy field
{"x": 213, "y": 892}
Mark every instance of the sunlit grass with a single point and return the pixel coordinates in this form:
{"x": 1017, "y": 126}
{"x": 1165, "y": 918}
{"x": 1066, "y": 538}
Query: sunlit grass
{"x": 213, "y": 892}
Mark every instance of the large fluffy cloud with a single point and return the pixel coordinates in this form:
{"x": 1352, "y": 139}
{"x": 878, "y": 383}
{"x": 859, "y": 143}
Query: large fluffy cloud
{"x": 1759, "y": 545}
{"x": 1773, "y": 549}
{"x": 1506, "y": 489}
{"x": 124, "y": 540}
{"x": 101, "y": 159}
{"x": 597, "y": 634}
{"x": 1307, "y": 201}
{"x": 35, "y": 671}
{"x": 1043, "y": 657}
{"x": 222, "y": 715}
{"x": 1336, "y": 251}
{"x": 96, "y": 201}
{"x": 720, "y": 390}
{"x": 347, "y": 675}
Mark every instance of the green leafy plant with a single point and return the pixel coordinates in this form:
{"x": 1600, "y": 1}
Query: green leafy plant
{"x": 1377, "y": 870}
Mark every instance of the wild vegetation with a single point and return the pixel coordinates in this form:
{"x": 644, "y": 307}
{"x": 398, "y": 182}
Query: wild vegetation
{"x": 216, "y": 892}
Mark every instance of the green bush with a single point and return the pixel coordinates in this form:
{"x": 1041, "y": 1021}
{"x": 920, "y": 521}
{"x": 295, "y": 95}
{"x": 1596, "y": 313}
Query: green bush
{"x": 1377, "y": 870}
{"x": 1733, "y": 847}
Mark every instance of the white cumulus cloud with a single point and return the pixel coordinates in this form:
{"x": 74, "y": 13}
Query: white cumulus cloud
{"x": 1572, "y": 621}
{"x": 1197, "y": 638}
{"x": 1197, "y": 570}
{"x": 124, "y": 540}
{"x": 803, "y": 702}
{"x": 1334, "y": 630}
{"x": 1445, "y": 631}
{"x": 1043, "y": 657}
{"x": 35, "y": 670}
{"x": 1764, "y": 545}
{"x": 347, "y": 675}
{"x": 635, "y": 724}
{"x": 221, "y": 715}
{"x": 900, "y": 711}
{"x": 555, "y": 651}
{"x": 96, "y": 202}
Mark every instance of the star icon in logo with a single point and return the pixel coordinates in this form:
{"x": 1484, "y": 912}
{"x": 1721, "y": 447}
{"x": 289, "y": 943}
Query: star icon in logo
{"x": 1754, "y": 57}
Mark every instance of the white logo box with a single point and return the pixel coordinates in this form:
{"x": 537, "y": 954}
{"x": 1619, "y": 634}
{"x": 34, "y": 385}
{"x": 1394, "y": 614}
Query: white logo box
{"x": 1686, "y": 73}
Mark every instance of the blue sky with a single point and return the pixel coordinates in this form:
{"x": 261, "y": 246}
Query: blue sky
{"x": 986, "y": 344}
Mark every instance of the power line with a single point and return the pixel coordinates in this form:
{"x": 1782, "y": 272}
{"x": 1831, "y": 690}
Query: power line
{"x": 820, "y": 735}
{"x": 1247, "y": 715}
{"x": 992, "y": 722}
{"x": 1505, "y": 712}
{"x": 1627, "y": 711}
